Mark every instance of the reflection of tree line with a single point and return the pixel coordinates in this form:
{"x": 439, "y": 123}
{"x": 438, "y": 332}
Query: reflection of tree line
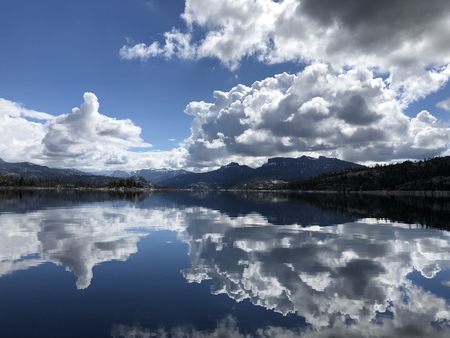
{"x": 429, "y": 212}
{"x": 16, "y": 200}
{"x": 308, "y": 208}
{"x": 278, "y": 208}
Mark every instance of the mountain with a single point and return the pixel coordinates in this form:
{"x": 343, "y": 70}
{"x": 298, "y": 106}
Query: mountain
{"x": 29, "y": 174}
{"x": 224, "y": 177}
{"x": 34, "y": 171}
{"x": 231, "y": 175}
{"x": 119, "y": 174}
{"x": 279, "y": 168}
{"x": 301, "y": 167}
{"x": 159, "y": 175}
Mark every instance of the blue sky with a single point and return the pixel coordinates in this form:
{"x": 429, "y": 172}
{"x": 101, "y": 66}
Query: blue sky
{"x": 176, "y": 86}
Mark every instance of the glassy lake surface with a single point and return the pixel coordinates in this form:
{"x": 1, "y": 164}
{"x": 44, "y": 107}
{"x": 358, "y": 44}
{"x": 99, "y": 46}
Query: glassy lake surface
{"x": 222, "y": 264}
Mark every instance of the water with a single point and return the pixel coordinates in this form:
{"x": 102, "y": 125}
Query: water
{"x": 222, "y": 264}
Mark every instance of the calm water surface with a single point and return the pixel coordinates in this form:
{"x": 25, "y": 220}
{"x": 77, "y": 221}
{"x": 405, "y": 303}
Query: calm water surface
{"x": 222, "y": 264}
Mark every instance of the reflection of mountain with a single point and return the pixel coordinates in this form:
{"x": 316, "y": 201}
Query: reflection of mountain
{"x": 276, "y": 208}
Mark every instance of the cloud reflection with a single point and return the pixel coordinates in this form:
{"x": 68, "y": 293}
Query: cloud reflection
{"x": 352, "y": 277}
{"x": 77, "y": 238}
{"x": 229, "y": 327}
{"x": 354, "y": 272}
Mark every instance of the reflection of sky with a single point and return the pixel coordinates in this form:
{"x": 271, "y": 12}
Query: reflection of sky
{"x": 77, "y": 238}
{"x": 355, "y": 271}
{"x": 340, "y": 276}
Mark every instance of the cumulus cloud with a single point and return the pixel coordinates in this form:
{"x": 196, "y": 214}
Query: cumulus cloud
{"x": 349, "y": 114}
{"x": 83, "y": 139}
{"x": 365, "y": 64}
{"x": 399, "y": 37}
{"x": 20, "y": 136}
{"x": 87, "y": 133}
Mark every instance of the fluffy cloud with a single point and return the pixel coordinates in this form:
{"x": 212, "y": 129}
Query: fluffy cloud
{"x": 176, "y": 44}
{"x": 350, "y": 114}
{"x": 403, "y": 38}
{"x": 85, "y": 131}
{"x": 84, "y": 139}
{"x": 20, "y": 137}
{"x": 365, "y": 63}
{"x": 14, "y": 109}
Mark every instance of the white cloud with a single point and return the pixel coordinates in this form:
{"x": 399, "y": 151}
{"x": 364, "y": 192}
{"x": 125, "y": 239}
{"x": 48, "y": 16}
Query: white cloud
{"x": 84, "y": 139}
{"x": 176, "y": 43}
{"x": 405, "y": 39}
{"x": 141, "y": 51}
{"x": 20, "y": 138}
{"x": 86, "y": 132}
{"x": 444, "y": 104}
{"x": 349, "y": 114}
{"x": 365, "y": 64}
{"x": 14, "y": 109}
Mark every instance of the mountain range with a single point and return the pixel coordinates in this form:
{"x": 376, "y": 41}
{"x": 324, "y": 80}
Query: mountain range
{"x": 279, "y": 168}
{"x": 159, "y": 175}
{"x": 35, "y": 171}
{"x": 152, "y": 175}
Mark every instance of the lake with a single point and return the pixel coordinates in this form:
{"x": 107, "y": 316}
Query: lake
{"x": 223, "y": 265}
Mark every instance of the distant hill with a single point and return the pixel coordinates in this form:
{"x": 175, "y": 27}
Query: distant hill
{"x": 280, "y": 168}
{"x": 29, "y": 174}
{"x": 159, "y": 175}
{"x": 285, "y": 168}
{"x": 432, "y": 174}
{"x": 119, "y": 174}
{"x": 224, "y": 177}
{"x": 30, "y": 170}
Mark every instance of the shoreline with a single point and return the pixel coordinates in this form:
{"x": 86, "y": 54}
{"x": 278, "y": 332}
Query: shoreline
{"x": 414, "y": 193}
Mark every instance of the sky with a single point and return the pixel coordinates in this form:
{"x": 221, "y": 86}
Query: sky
{"x": 196, "y": 84}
